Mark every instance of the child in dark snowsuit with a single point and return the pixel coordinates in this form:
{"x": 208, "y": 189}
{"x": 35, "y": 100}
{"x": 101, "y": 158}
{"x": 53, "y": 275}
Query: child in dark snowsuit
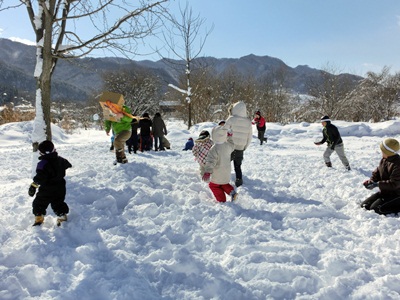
{"x": 49, "y": 178}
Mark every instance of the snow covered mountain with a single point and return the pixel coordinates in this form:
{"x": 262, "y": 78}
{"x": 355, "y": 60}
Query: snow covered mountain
{"x": 79, "y": 79}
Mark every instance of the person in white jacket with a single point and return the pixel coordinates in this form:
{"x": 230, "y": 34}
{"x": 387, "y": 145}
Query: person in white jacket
{"x": 242, "y": 131}
{"x": 218, "y": 164}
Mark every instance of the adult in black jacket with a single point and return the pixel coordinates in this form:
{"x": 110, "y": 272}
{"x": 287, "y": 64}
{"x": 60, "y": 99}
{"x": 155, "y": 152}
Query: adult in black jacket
{"x": 159, "y": 130}
{"x": 387, "y": 178}
{"x": 334, "y": 141}
{"x": 49, "y": 178}
{"x": 145, "y": 125}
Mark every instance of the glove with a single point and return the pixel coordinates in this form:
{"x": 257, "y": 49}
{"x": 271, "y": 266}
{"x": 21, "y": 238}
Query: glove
{"x": 230, "y": 132}
{"x": 32, "y": 189}
{"x": 206, "y": 177}
{"x": 333, "y": 147}
{"x": 369, "y": 184}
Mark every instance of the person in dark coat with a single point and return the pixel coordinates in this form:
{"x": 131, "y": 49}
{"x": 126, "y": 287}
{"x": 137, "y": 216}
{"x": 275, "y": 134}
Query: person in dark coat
{"x": 334, "y": 141}
{"x": 145, "y": 125}
{"x": 386, "y": 177}
{"x": 132, "y": 142}
{"x": 159, "y": 130}
{"x": 49, "y": 178}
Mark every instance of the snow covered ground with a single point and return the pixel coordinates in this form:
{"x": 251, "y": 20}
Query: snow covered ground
{"x": 151, "y": 229}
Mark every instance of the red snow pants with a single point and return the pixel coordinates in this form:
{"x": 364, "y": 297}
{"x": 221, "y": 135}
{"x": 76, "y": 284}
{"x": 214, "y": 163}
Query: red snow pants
{"x": 219, "y": 190}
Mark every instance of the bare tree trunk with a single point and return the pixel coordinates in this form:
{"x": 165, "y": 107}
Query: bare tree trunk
{"x": 43, "y": 73}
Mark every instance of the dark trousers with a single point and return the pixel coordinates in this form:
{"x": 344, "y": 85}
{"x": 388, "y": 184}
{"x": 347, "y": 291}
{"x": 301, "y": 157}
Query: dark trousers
{"x": 132, "y": 143}
{"x": 382, "y": 205}
{"x": 158, "y": 140}
{"x": 55, "y": 199}
{"x": 237, "y": 158}
{"x": 145, "y": 143}
{"x": 261, "y": 136}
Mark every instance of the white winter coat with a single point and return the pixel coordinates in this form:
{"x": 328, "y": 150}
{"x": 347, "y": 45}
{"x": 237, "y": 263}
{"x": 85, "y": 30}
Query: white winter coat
{"x": 218, "y": 161}
{"x": 240, "y": 125}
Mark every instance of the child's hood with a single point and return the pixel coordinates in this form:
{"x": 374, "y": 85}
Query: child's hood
{"x": 239, "y": 109}
{"x": 219, "y": 134}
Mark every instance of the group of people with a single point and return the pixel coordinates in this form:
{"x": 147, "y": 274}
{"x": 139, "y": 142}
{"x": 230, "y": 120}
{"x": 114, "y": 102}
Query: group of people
{"x": 214, "y": 153}
{"x": 386, "y": 176}
{"x": 125, "y": 131}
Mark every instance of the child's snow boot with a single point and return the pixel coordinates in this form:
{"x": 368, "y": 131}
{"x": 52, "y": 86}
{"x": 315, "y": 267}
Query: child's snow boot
{"x": 61, "y": 218}
{"x": 234, "y": 195}
{"x": 119, "y": 154}
{"x": 38, "y": 220}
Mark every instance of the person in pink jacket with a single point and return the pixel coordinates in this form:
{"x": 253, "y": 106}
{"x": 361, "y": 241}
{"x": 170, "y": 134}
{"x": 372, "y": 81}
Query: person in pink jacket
{"x": 218, "y": 164}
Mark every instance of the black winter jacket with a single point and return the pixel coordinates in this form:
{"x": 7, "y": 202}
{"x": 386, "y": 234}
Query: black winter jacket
{"x": 145, "y": 125}
{"x": 331, "y": 135}
{"x": 50, "y": 173}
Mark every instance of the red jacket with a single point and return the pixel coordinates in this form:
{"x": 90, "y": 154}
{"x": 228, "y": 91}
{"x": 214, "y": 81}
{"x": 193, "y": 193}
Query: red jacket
{"x": 260, "y": 122}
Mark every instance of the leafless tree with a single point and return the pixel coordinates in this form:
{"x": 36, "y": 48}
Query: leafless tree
{"x": 330, "y": 92}
{"x": 140, "y": 88}
{"x": 184, "y": 43}
{"x": 376, "y": 98}
{"x": 60, "y": 29}
{"x": 273, "y": 97}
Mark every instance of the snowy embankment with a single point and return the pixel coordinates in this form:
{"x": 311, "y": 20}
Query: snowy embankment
{"x": 151, "y": 229}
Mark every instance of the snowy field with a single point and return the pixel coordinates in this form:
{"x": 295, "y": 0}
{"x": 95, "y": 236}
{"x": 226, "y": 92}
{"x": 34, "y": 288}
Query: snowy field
{"x": 151, "y": 229}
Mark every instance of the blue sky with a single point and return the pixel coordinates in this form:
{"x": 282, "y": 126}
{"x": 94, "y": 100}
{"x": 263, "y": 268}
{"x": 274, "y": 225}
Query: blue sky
{"x": 352, "y": 36}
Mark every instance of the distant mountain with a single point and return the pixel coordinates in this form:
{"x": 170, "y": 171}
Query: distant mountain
{"x": 79, "y": 79}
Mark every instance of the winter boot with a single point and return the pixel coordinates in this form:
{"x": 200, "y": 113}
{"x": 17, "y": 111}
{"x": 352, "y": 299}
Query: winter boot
{"x": 124, "y": 160}
{"x": 348, "y": 167}
{"x": 61, "y": 218}
{"x": 234, "y": 195}
{"x": 119, "y": 154}
{"x": 328, "y": 164}
{"x": 238, "y": 182}
{"x": 38, "y": 220}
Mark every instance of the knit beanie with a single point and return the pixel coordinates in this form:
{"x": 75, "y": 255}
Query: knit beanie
{"x": 390, "y": 147}
{"x": 325, "y": 119}
{"x": 46, "y": 147}
{"x": 203, "y": 135}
